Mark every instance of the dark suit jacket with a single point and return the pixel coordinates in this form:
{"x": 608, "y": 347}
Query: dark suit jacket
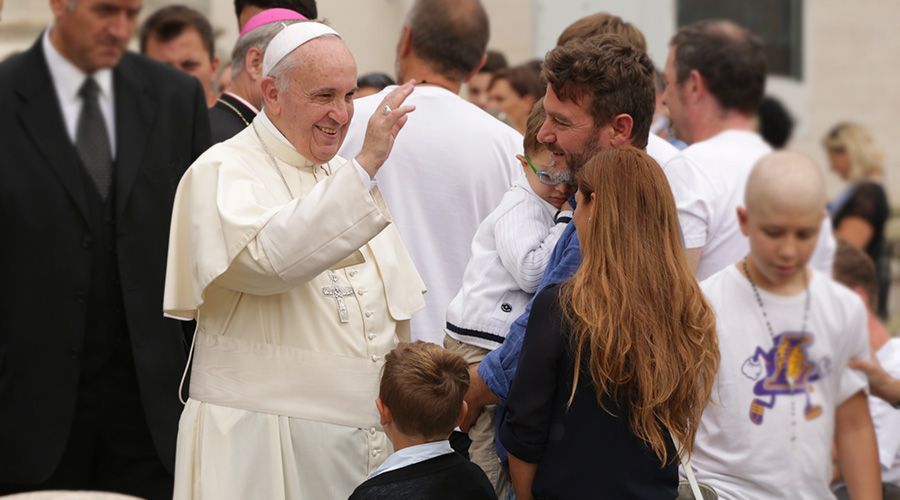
{"x": 161, "y": 127}
{"x": 224, "y": 120}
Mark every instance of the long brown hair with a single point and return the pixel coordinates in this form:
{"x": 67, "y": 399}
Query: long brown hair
{"x": 639, "y": 321}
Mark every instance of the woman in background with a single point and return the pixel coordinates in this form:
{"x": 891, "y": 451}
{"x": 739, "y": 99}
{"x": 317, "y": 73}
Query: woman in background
{"x": 513, "y": 92}
{"x": 860, "y": 213}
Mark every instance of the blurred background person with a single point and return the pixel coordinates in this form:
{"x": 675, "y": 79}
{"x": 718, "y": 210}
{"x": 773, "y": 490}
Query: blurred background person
{"x": 855, "y": 270}
{"x": 453, "y": 163}
{"x": 372, "y": 83}
{"x": 513, "y": 92}
{"x": 182, "y": 38}
{"x": 236, "y": 108}
{"x": 97, "y": 139}
{"x": 246, "y": 9}
{"x": 774, "y": 122}
{"x": 662, "y": 125}
{"x": 859, "y": 213}
{"x": 223, "y": 81}
{"x": 478, "y": 84}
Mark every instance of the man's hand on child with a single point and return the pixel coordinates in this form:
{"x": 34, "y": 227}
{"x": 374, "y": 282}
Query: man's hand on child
{"x": 477, "y": 397}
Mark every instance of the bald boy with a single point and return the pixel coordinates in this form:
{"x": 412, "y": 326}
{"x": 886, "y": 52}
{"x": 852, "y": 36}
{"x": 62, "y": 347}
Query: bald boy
{"x": 786, "y": 334}
{"x": 784, "y": 204}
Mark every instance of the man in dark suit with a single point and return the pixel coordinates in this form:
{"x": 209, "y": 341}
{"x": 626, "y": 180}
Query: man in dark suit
{"x": 94, "y": 141}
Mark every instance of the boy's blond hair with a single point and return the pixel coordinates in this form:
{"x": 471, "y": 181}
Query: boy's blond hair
{"x": 423, "y": 386}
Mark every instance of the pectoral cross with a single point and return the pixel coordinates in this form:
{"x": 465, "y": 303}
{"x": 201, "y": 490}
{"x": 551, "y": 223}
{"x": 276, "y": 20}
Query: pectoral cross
{"x": 337, "y": 293}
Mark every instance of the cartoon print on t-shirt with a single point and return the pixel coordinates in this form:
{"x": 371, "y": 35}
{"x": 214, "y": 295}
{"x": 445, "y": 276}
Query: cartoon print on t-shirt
{"x": 789, "y": 371}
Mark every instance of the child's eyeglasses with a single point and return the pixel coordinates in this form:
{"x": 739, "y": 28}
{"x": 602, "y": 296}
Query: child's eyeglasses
{"x": 550, "y": 178}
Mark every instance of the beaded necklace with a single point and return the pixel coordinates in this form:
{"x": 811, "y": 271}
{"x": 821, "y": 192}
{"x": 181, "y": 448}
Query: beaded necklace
{"x": 762, "y": 308}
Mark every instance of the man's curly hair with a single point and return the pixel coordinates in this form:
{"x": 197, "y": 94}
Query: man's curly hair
{"x": 608, "y": 75}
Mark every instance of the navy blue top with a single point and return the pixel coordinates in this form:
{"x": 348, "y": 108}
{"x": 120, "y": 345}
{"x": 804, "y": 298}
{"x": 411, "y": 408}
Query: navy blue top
{"x": 582, "y": 451}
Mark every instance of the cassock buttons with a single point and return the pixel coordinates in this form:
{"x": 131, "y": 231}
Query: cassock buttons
{"x": 361, "y": 291}
{"x": 375, "y": 452}
{"x": 371, "y": 431}
{"x": 375, "y": 358}
{"x": 353, "y": 273}
{"x": 368, "y": 314}
{"x": 371, "y": 335}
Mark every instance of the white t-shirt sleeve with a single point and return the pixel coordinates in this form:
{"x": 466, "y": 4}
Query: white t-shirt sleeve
{"x": 855, "y": 345}
{"x": 885, "y": 417}
{"x": 692, "y": 198}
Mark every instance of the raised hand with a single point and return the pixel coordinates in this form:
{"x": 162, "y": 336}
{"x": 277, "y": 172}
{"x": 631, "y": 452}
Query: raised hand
{"x": 384, "y": 125}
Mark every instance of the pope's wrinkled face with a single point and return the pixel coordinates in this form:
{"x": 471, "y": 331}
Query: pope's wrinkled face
{"x": 315, "y": 104}
{"x": 93, "y": 34}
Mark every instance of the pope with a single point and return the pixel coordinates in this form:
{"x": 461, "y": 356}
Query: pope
{"x": 285, "y": 255}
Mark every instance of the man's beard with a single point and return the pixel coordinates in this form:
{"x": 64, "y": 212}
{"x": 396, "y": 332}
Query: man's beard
{"x": 577, "y": 160}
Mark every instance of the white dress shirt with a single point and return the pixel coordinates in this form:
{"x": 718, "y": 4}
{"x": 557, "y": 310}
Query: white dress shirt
{"x": 67, "y": 80}
{"x": 413, "y": 455}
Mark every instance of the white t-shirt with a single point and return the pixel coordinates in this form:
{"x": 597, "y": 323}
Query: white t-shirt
{"x": 708, "y": 180}
{"x": 450, "y": 166}
{"x": 886, "y": 418}
{"x": 661, "y": 150}
{"x": 744, "y": 446}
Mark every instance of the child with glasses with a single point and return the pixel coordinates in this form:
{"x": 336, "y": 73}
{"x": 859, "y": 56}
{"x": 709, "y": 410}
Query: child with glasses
{"x": 509, "y": 253}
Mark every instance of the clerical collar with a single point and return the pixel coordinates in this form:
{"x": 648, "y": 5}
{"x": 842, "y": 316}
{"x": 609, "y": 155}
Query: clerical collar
{"x": 266, "y": 122}
{"x": 68, "y": 78}
{"x": 242, "y": 101}
{"x": 280, "y": 147}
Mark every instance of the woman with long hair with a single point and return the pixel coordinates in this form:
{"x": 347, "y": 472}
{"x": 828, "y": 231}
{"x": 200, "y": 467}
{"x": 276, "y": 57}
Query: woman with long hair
{"x": 860, "y": 213}
{"x": 619, "y": 362}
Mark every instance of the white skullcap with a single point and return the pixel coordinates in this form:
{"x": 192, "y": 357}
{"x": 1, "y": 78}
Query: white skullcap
{"x": 289, "y": 39}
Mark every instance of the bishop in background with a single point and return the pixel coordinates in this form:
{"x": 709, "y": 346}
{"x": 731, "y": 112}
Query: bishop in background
{"x": 286, "y": 256}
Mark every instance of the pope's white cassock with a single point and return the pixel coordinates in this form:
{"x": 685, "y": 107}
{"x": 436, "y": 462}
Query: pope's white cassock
{"x": 300, "y": 285}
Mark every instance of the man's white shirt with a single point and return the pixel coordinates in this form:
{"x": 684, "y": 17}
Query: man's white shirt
{"x": 67, "y": 81}
{"x": 449, "y": 167}
{"x": 708, "y": 180}
{"x": 412, "y": 455}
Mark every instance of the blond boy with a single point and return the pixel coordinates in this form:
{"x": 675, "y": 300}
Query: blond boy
{"x": 420, "y": 402}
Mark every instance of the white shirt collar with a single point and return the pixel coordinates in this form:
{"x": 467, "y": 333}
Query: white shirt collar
{"x": 266, "y": 122}
{"x": 243, "y": 101}
{"x": 413, "y": 455}
{"x": 68, "y": 78}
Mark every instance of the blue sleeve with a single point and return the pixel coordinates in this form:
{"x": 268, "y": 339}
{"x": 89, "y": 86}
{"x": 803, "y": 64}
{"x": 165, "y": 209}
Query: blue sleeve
{"x": 499, "y": 367}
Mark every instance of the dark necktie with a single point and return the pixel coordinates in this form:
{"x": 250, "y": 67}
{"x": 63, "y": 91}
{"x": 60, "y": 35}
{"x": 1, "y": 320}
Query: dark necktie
{"x": 92, "y": 140}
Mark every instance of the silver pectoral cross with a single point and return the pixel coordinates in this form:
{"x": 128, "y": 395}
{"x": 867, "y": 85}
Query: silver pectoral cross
{"x": 337, "y": 293}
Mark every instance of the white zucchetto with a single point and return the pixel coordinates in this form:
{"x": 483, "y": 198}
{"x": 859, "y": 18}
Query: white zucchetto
{"x": 289, "y": 39}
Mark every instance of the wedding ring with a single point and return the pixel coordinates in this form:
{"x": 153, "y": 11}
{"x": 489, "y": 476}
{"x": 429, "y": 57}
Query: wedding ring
{"x": 386, "y": 110}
